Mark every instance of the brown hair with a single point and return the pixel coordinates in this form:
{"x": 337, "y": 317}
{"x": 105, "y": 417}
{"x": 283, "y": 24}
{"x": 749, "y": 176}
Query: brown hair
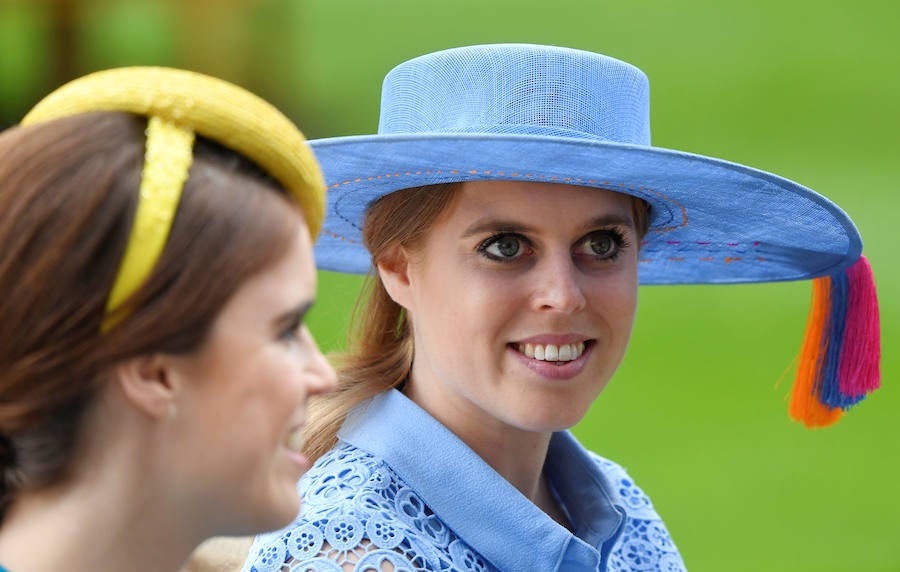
{"x": 380, "y": 347}
{"x": 68, "y": 192}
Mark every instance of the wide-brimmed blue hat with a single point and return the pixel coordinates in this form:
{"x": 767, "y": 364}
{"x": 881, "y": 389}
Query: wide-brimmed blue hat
{"x": 542, "y": 113}
{"x": 525, "y": 112}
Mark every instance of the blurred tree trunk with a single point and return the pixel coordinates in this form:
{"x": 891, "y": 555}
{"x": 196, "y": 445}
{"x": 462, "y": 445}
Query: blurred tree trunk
{"x": 215, "y": 37}
{"x": 248, "y": 42}
{"x": 63, "y": 24}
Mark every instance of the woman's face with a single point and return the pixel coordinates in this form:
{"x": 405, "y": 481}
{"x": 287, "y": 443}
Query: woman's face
{"x": 243, "y": 403}
{"x": 522, "y": 298}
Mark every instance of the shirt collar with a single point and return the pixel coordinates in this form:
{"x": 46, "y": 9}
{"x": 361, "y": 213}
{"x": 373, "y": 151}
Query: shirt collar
{"x": 578, "y": 480}
{"x": 480, "y": 506}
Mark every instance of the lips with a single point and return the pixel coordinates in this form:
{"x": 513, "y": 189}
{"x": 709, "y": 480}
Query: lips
{"x": 294, "y": 440}
{"x": 554, "y": 356}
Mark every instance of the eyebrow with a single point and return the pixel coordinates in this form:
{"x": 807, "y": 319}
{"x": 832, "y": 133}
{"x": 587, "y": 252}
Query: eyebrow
{"x": 296, "y": 314}
{"x": 497, "y": 225}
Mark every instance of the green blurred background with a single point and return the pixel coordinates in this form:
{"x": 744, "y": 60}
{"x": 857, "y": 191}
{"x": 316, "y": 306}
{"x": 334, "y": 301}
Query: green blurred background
{"x": 806, "y": 89}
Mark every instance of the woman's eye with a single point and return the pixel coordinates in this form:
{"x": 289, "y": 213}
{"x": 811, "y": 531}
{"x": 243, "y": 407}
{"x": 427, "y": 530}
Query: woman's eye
{"x": 602, "y": 245}
{"x": 504, "y": 247}
{"x": 605, "y": 244}
{"x": 291, "y": 333}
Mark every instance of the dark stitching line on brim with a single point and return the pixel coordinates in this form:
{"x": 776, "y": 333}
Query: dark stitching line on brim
{"x": 602, "y": 184}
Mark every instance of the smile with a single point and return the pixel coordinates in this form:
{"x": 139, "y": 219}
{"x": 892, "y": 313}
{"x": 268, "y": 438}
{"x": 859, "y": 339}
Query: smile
{"x": 552, "y": 352}
{"x": 294, "y": 440}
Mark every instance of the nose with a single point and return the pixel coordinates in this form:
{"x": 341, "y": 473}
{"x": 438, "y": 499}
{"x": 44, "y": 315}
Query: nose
{"x": 558, "y": 288}
{"x": 323, "y": 378}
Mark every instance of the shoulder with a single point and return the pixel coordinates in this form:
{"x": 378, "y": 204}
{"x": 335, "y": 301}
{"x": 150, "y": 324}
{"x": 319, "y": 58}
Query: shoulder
{"x": 356, "y": 515}
{"x": 339, "y": 478}
{"x": 624, "y": 489}
{"x": 645, "y": 543}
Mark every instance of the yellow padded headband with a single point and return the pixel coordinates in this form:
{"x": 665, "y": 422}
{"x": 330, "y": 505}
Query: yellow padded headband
{"x": 179, "y": 104}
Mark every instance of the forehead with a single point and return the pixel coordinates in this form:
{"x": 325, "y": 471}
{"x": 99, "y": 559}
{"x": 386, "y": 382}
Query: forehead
{"x": 539, "y": 201}
{"x": 290, "y": 280}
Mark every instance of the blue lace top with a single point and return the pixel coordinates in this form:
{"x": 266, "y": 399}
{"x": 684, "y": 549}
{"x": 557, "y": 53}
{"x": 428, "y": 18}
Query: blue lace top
{"x": 399, "y": 488}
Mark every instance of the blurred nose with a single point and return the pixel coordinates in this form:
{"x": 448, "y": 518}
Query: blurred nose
{"x": 557, "y": 286}
{"x": 323, "y": 378}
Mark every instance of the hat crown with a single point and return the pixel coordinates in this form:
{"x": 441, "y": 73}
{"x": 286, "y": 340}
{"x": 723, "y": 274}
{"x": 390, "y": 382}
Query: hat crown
{"x": 518, "y": 89}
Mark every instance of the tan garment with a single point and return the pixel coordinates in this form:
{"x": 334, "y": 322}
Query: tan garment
{"x": 222, "y": 554}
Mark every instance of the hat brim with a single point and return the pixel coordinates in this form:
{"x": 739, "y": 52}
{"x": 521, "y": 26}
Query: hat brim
{"x": 712, "y": 221}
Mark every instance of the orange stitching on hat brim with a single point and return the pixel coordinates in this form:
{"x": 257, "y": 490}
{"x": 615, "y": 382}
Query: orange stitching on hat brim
{"x": 726, "y": 260}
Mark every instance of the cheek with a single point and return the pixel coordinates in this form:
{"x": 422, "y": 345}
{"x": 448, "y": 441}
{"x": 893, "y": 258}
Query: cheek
{"x": 288, "y": 377}
{"x": 470, "y": 309}
{"x": 272, "y": 388}
{"x": 627, "y": 309}
{"x": 627, "y": 297}
{"x": 617, "y": 299}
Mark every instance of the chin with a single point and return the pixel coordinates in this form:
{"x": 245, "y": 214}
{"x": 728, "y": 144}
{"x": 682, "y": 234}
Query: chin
{"x": 278, "y": 512}
{"x": 551, "y": 416}
{"x": 560, "y": 426}
{"x": 551, "y": 423}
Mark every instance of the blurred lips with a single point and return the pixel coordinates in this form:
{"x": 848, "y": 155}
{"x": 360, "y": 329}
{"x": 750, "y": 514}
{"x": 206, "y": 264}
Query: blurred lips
{"x": 293, "y": 442}
{"x": 294, "y": 439}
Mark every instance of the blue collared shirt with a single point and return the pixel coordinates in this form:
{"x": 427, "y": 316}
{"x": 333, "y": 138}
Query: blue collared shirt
{"x": 400, "y": 488}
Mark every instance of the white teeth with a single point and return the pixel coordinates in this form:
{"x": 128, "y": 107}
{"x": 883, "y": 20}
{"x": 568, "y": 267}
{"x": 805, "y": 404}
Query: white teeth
{"x": 294, "y": 440}
{"x": 551, "y": 352}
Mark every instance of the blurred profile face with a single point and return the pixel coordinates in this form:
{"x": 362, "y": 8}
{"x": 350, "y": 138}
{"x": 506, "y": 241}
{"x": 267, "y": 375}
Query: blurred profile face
{"x": 244, "y": 399}
{"x": 522, "y": 298}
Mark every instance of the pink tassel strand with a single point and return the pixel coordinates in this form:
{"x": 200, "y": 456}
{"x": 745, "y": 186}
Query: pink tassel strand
{"x": 859, "y": 367}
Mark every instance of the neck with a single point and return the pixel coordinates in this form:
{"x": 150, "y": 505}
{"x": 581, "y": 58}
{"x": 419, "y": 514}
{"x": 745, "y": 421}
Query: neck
{"x": 110, "y": 522}
{"x": 118, "y": 510}
{"x": 517, "y": 455}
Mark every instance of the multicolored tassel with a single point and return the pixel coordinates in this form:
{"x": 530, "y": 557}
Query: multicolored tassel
{"x": 839, "y": 360}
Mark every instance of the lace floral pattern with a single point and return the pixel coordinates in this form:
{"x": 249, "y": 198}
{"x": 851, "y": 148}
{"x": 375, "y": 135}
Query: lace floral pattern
{"x": 645, "y": 543}
{"x": 356, "y": 511}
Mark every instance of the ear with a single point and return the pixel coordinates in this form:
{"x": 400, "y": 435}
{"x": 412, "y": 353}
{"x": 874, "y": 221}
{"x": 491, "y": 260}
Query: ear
{"x": 146, "y": 383}
{"x": 394, "y": 269}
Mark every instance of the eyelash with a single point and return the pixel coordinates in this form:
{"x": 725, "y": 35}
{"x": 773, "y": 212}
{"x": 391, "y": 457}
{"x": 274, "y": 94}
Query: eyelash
{"x": 491, "y": 241}
{"x": 292, "y": 332}
{"x": 618, "y": 236}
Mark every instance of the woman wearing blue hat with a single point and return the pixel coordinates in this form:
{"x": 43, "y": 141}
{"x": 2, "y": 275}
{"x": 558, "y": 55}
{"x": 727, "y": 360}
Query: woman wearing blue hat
{"x": 510, "y": 205}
